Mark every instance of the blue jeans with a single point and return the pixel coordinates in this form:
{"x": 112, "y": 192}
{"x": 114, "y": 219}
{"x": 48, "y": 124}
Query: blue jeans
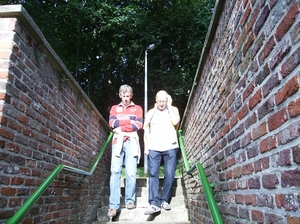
{"x": 154, "y": 161}
{"x": 126, "y": 155}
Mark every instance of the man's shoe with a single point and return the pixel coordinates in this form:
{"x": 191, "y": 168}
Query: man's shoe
{"x": 112, "y": 212}
{"x": 151, "y": 210}
{"x": 166, "y": 206}
{"x": 130, "y": 205}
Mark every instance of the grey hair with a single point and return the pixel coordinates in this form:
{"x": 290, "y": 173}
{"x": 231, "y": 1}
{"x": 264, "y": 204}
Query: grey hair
{"x": 125, "y": 88}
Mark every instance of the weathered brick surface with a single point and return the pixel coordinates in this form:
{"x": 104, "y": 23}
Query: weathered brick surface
{"x": 251, "y": 71}
{"x": 46, "y": 120}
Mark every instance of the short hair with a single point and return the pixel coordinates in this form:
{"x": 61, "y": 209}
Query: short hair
{"x": 125, "y": 88}
{"x": 161, "y": 92}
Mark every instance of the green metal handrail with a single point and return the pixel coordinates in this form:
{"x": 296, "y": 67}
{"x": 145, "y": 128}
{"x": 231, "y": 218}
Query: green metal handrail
{"x": 41, "y": 189}
{"x": 215, "y": 213}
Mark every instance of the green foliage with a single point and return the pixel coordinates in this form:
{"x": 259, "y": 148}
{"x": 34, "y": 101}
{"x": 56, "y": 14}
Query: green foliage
{"x": 140, "y": 171}
{"x": 102, "y": 43}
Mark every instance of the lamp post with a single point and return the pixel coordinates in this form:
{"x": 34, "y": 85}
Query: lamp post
{"x": 149, "y": 48}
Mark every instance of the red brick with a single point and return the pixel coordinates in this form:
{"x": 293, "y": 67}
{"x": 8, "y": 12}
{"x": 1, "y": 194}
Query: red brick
{"x": 258, "y": 44}
{"x": 259, "y": 131}
{"x": 239, "y": 199}
{"x": 252, "y": 152}
{"x": 279, "y": 55}
{"x": 30, "y": 182}
{"x": 241, "y": 157}
{"x": 7, "y": 213}
{"x": 290, "y": 178}
{"x": 296, "y": 154}
{"x": 272, "y": 82}
{"x": 293, "y": 219}
{"x": 294, "y": 108}
{"x": 270, "y": 181}
{"x": 265, "y": 200}
{"x": 243, "y": 112}
{"x": 5, "y": 180}
{"x": 8, "y": 191}
{"x": 248, "y": 43}
{"x": 233, "y": 121}
{"x": 229, "y": 174}
{"x": 231, "y": 161}
{"x": 277, "y": 119}
{"x": 257, "y": 216}
{"x": 225, "y": 130}
{"x": 288, "y": 201}
{"x": 13, "y": 124}
{"x": 287, "y": 22}
{"x": 284, "y": 158}
{"x": 248, "y": 169}
{"x": 255, "y": 99}
{"x": 237, "y": 172}
{"x": 290, "y": 88}
{"x": 229, "y": 113}
{"x": 288, "y": 134}
{"x": 17, "y": 180}
{"x": 230, "y": 198}
{"x": 13, "y": 147}
{"x": 246, "y": 140}
{"x": 266, "y": 108}
{"x": 274, "y": 218}
{"x": 6, "y": 133}
{"x": 267, "y": 144}
{"x": 14, "y": 202}
{"x": 248, "y": 91}
{"x": 254, "y": 183}
{"x": 261, "y": 20}
{"x": 291, "y": 63}
{"x": 232, "y": 185}
{"x": 267, "y": 49}
{"x": 251, "y": 199}
{"x": 246, "y": 14}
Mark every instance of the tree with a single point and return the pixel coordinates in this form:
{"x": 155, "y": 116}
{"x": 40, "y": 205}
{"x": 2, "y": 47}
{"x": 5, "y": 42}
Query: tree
{"x": 102, "y": 43}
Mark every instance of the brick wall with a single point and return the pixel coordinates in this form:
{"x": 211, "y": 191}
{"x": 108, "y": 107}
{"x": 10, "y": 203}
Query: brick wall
{"x": 242, "y": 120}
{"x": 45, "y": 120}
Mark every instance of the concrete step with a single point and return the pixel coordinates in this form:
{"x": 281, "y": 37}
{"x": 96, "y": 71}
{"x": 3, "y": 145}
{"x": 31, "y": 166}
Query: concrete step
{"x": 175, "y": 215}
{"x": 178, "y": 213}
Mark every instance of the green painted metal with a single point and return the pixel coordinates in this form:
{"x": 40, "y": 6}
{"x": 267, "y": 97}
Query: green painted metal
{"x": 41, "y": 189}
{"x": 183, "y": 152}
{"x": 215, "y": 213}
{"x": 35, "y": 196}
{"x": 94, "y": 164}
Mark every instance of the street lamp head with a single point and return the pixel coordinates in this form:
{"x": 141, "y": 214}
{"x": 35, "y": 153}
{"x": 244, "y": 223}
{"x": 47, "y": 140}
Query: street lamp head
{"x": 150, "y": 47}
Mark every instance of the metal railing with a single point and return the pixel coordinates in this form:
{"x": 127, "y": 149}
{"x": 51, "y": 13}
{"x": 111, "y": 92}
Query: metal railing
{"x": 215, "y": 213}
{"x": 41, "y": 189}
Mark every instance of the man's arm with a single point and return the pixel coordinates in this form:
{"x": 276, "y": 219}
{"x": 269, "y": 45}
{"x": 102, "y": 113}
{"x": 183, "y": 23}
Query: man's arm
{"x": 126, "y": 122}
{"x": 173, "y": 112}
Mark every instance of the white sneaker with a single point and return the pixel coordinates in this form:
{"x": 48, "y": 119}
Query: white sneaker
{"x": 165, "y": 205}
{"x": 151, "y": 210}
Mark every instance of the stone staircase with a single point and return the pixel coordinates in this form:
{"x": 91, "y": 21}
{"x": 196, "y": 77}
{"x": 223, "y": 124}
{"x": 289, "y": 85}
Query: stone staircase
{"x": 177, "y": 215}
